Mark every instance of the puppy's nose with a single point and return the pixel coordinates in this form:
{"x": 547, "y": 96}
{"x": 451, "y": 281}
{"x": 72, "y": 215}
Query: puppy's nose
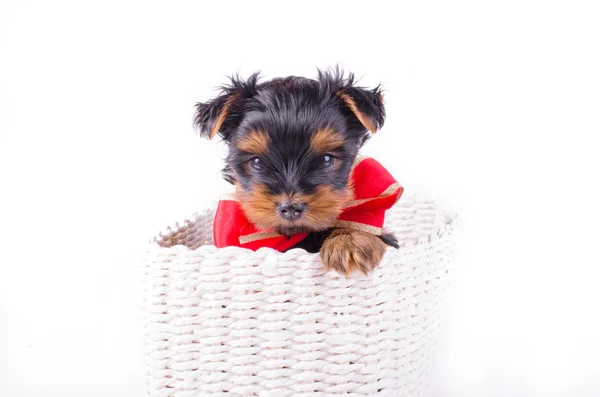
{"x": 291, "y": 211}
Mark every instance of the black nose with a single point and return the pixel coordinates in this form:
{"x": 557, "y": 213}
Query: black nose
{"x": 291, "y": 211}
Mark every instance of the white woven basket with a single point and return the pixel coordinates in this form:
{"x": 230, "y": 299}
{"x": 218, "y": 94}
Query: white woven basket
{"x": 232, "y": 322}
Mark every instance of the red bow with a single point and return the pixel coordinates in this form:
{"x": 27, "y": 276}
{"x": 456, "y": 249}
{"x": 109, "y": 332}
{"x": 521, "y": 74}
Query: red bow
{"x": 375, "y": 191}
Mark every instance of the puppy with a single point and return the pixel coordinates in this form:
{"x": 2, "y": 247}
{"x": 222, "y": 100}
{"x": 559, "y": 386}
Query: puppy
{"x": 292, "y": 144}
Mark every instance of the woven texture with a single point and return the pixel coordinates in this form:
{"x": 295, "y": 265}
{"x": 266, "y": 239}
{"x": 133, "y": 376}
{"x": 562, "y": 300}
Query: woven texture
{"x": 232, "y": 322}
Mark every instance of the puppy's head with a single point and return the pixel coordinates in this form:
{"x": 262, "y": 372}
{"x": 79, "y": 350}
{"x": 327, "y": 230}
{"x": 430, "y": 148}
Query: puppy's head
{"x": 292, "y": 142}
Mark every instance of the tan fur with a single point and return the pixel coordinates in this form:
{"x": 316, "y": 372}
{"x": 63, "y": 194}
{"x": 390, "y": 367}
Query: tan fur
{"x": 363, "y": 118}
{"x": 347, "y": 251}
{"x": 259, "y": 206}
{"x": 222, "y": 116}
{"x": 326, "y": 140}
{"x": 255, "y": 142}
{"x": 322, "y": 207}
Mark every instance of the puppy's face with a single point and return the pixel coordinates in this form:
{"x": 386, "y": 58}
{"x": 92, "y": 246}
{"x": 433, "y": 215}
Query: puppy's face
{"x": 291, "y": 178}
{"x": 292, "y": 143}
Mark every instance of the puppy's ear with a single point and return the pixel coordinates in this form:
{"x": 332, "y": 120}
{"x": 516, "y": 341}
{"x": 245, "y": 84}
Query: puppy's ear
{"x": 365, "y": 104}
{"x": 216, "y": 115}
{"x": 224, "y": 113}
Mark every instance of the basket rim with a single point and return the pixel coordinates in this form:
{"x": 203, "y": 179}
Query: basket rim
{"x": 443, "y": 228}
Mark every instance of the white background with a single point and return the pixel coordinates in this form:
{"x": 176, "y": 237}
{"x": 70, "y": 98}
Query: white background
{"x": 493, "y": 106}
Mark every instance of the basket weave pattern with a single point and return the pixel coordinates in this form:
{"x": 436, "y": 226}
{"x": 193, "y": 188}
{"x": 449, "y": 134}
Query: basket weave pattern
{"x": 232, "y": 322}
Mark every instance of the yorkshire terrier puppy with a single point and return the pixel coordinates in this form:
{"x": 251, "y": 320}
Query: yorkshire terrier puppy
{"x": 292, "y": 143}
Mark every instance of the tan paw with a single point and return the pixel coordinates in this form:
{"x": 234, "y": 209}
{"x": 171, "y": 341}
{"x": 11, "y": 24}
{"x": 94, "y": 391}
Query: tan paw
{"x": 347, "y": 251}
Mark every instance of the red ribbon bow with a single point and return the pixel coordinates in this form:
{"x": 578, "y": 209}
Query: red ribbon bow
{"x": 375, "y": 191}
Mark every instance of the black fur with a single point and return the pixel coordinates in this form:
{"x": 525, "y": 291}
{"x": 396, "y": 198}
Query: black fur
{"x": 389, "y": 239}
{"x": 313, "y": 242}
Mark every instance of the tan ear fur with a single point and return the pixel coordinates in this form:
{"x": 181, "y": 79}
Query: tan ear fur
{"x": 362, "y": 117}
{"x": 222, "y": 115}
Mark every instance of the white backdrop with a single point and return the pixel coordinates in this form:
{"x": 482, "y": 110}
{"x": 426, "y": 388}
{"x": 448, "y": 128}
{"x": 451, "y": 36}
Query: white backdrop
{"x": 493, "y": 106}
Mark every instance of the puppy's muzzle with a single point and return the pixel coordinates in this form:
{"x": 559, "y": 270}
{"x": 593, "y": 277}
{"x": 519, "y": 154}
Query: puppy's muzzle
{"x": 291, "y": 211}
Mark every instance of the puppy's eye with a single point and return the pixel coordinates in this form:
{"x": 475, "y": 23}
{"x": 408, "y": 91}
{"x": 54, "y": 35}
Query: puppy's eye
{"x": 328, "y": 160}
{"x": 256, "y": 163}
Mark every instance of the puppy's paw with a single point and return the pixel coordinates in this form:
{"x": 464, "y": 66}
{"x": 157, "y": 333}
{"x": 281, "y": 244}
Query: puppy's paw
{"x": 347, "y": 251}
